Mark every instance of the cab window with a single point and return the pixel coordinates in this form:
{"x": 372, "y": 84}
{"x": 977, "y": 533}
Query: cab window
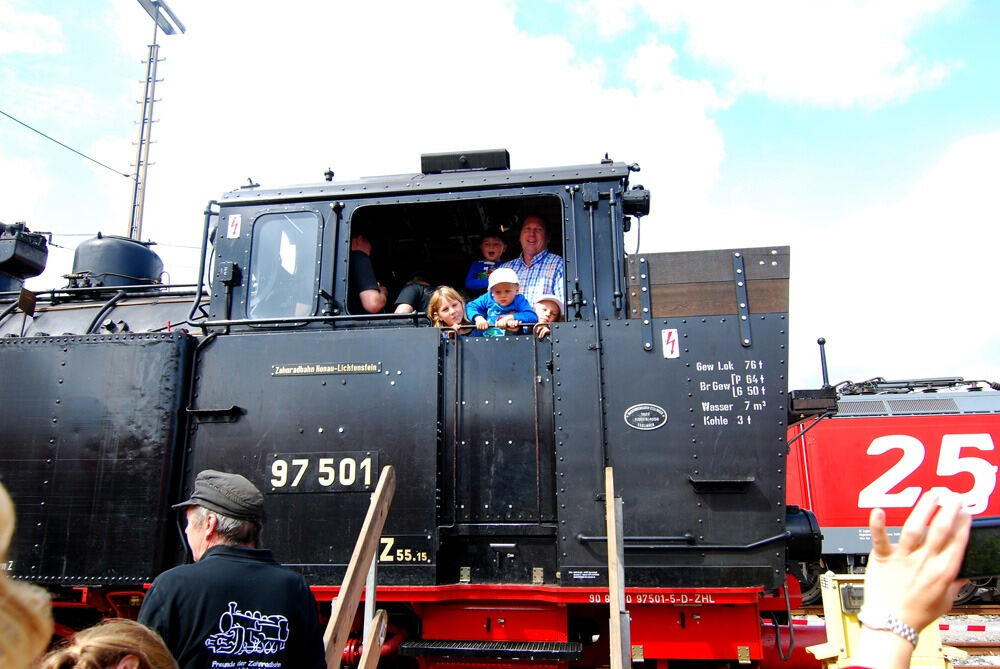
{"x": 283, "y": 265}
{"x": 436, "y": 243}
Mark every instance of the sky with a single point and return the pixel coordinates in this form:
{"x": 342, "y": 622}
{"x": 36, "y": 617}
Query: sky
{"x": 864, "y": 135}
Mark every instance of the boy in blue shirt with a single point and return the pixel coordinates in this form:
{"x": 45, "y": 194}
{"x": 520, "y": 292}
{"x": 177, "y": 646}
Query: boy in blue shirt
{"x": 491, "y": 245}
{"x": 502, "y": 307}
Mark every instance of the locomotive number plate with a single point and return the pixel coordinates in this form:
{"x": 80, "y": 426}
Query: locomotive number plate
{"x": 345, "y": 471}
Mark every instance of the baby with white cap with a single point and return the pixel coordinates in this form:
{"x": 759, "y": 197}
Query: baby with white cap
{"x": 502, "y": 307}
{"x": 549, "y": 309}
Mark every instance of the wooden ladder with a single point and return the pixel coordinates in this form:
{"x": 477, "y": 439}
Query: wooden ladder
{"x": 346, "y": 604}
{"x": 618, "y": 624}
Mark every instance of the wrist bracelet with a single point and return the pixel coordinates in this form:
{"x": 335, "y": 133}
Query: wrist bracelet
{"x": 886, "y": 620}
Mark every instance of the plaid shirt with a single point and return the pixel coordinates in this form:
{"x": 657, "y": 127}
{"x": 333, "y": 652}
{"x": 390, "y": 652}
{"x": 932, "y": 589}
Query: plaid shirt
{"x": 543, "y": 275}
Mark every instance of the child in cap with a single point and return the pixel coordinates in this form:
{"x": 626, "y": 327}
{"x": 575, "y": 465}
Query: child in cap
{"x": 503, "y": 306}
{"x": 491, "y": 245}
{"x": 549, "y": 310}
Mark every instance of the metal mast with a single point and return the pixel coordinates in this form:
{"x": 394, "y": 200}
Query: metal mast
{"x": 167, "y": 22}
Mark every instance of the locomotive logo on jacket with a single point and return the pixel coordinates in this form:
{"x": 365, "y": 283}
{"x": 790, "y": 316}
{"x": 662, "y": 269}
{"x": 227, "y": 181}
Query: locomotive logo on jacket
{"x": 245, "y": 632}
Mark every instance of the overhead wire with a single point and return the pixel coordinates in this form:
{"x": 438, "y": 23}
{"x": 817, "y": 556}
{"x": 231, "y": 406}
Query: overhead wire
{"x": 52, "y": 139}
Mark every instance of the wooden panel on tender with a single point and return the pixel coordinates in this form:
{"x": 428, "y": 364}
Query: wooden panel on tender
{"x": 702, "y": 283}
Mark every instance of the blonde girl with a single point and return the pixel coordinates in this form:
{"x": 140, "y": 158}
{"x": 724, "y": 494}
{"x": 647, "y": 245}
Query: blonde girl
{"x": 446, "y": 309}
{"x": 115, "y": 644}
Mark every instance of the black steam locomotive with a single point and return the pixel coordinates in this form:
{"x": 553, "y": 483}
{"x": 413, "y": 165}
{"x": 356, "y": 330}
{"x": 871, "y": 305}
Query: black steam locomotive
{"x": 669, "y": 367}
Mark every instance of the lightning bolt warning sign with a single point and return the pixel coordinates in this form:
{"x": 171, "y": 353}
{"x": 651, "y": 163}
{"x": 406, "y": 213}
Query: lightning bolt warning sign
{"x": 670, "y": 347}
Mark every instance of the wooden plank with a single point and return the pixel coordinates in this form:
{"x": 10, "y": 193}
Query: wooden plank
{"x": 769, "y": 262}
{"x": 346, "y": 604}
{"x": 621, "y": 649}
{"x": 764, "y": 296}
{"x": 372, "y": 649}
{"x": 703, "y": 283}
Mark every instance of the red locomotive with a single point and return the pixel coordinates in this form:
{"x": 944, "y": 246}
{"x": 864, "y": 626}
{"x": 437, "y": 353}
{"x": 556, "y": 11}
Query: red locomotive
{"x": 881, "y": 444}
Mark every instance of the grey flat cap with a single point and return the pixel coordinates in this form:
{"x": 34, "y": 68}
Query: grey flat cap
{"x": 229, "y": 494}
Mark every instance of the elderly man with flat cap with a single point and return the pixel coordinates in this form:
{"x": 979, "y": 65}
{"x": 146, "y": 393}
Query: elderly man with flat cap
{"x": 235, "y": 606}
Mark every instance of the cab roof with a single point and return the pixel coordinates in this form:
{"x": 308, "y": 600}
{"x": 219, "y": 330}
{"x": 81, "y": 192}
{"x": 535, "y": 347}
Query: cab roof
{"x": 424, "y": 183}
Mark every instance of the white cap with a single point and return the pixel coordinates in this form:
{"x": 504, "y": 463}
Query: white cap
{"x": 550, "y": 298}
{"x": 502, "y": 275}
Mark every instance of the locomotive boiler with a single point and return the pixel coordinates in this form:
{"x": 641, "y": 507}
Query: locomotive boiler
{"x": 669, "y": 367}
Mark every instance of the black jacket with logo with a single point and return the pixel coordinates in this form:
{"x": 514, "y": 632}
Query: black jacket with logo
{"x": 236, "y": 607}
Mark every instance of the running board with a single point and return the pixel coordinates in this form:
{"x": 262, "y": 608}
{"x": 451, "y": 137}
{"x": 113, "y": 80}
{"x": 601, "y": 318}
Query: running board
{"x": 501, "y": 650}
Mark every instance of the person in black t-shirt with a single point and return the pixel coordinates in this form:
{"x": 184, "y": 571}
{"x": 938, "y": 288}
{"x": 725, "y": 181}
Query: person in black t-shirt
{"x": 235, "y": 604}
{"x": 414, "y": 296}
{"x": 364, "y": 293}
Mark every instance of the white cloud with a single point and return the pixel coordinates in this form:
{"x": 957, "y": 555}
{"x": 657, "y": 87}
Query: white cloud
{"x": 31, "y": 186}
{"x": 57, "y": 110}
{"x": 904, "y": 289}
{"x": 609, "y": 17}
{"x": 825, "y": 52}
{"x": 242, "y": 102}
{"x": 239, "y": 100}
{"x": 672, "y": 113}
{"x": 28, "y": 32}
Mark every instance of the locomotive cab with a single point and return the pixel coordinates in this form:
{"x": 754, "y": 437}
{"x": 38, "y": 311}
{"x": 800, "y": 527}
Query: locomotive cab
{"x": 489, "y": 427}
{"x": 299, "y": 260}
